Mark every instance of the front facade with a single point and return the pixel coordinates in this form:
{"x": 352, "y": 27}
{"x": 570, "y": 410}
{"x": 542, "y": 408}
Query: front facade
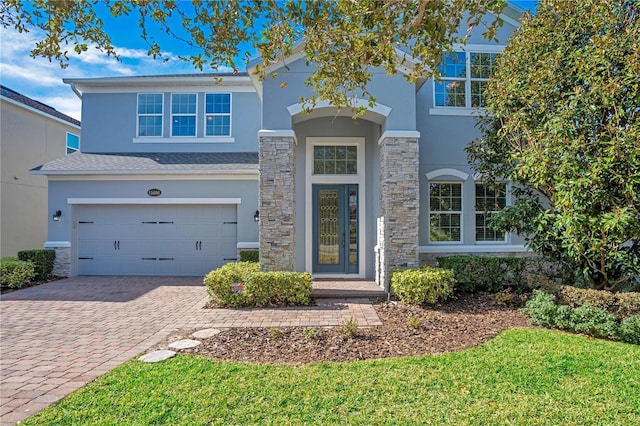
{"x": 178, "y": 174}
{"x": 31, "y": 133}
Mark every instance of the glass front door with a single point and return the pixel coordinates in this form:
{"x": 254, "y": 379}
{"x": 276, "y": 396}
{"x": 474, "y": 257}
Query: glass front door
{"x": 335, "y": 229}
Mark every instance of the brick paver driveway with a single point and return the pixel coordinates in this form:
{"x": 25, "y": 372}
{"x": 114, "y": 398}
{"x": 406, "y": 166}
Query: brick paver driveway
{"x": 57, "y": 337}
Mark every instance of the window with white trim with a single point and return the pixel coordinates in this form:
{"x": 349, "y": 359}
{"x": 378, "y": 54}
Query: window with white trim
{"x": 463, "y": 79}
{"x": 150, "y": 114}
{"x": 218, "y": 114}
{"x": 73, "y": 143}
{"x": 490, "y": 199}
{"x": 445, "y": 212}
{"x": 183, "y": 114}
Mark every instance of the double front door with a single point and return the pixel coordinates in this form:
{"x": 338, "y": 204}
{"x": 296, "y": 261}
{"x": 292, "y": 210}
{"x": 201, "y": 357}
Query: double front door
{"x": 335, "y": 229}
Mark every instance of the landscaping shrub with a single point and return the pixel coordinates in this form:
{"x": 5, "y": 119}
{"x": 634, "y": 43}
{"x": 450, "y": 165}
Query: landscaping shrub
{"x": 629, "y": 330}
{"x": 220, "y": 282}
{"x": 594, "y": 321}
{"x": 249, "y": 256}
{"x": 42, "y": 259}
{"x": 621, "y": 305}
{"x": 242, "y": 284}
{"x": 15, "y": 273}
{"x": 485, "y": 273}
{"x": 277, "y": 288}
{"x": 422, "y": 285}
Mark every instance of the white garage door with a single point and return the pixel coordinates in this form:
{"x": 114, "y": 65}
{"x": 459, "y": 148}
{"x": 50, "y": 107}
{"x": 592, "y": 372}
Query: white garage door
{"x": 155, "y": 240}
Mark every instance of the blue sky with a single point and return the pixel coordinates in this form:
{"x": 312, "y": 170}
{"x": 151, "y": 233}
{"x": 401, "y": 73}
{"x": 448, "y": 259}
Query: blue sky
{"x": 42, "y": 80}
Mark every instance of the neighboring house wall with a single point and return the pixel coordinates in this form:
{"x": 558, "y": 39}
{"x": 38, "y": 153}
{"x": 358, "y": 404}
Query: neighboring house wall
{"x": 29, "y": 137}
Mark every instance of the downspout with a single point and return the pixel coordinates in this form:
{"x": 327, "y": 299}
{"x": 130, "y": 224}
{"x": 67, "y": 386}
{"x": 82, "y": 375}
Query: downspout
{"x": 75, "y": 90}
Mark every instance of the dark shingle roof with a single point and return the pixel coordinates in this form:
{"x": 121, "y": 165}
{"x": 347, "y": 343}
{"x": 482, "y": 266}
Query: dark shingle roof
{"x": 25, "y": 100}
{"x": 152, "y": 163}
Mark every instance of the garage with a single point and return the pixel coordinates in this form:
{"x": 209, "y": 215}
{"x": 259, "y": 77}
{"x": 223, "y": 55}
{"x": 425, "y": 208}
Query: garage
{"x": 188, "y": 240}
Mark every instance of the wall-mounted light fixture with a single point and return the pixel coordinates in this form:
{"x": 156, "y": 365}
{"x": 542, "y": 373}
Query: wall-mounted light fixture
{"x": 256, "y": 217}
{"x": 57, "y": 215}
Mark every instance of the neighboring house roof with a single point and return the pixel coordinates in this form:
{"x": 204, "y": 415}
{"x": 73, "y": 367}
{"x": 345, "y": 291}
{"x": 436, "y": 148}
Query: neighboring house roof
{"x": 32, "y": 103}
{"x": 152, "y": 163}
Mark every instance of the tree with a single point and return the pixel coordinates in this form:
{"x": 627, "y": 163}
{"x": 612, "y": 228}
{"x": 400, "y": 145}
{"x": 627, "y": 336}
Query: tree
{"x": 344, "y": 38}
{"x": 563, "y": 121}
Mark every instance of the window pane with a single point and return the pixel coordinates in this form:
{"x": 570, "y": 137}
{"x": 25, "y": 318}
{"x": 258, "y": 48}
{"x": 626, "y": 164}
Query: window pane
{"x": 482, "y": 64}
{"x": 183, "y": 103}
{"x": 450, "y": 93}
{"x": 184, "y": 125}
{"x": 149, "y": 103}
{"x": 478, "y": 98}
{"x": 218, "y": 125}
{"x": 73, "y": 141}
{"x": 454, "y": 65}
{"x": 335, "y": 160}
{"x": 150, "y": 126}
{"x": 218, "y": 103}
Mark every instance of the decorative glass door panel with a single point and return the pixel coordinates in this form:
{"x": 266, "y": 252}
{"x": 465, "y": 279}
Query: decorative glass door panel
{"x": 335, "y": 228}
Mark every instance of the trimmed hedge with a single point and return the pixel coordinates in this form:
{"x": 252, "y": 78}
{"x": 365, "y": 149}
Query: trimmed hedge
{"x": 219, "y": 282}
{"x": 422, "y": 285}
{"x": 42, "y": 259}
{"x": 15, "y": 273}
{"x": 249, "y": 256}
{"x": 594, "y": 321}
{"x": 278, "y": 288}
{"x": 242, "y": 284}
{"x": 485, "y": 273}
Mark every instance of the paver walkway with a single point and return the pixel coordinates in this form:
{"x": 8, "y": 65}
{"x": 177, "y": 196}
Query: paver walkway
{"x": 57, "y": 337}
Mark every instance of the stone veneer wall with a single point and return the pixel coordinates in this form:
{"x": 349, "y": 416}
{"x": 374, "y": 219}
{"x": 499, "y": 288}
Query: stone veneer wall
{"x": 277, "y": 202}
{"x": 398, "y": 238}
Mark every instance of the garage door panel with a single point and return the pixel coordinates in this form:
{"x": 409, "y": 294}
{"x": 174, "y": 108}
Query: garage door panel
{"x": 155, "y": 240}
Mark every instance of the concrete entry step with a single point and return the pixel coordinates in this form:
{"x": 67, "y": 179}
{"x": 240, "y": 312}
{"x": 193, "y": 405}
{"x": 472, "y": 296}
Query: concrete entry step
{"x": 332, "y": 288}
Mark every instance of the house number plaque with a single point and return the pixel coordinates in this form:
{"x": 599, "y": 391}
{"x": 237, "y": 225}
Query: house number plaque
{"x": 154, "y": 192}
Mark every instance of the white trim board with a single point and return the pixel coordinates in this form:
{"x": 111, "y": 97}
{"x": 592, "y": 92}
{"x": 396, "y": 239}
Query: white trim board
{"x": 154, "y": 201}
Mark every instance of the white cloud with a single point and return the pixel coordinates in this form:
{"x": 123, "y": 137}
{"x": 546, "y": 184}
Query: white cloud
{"x": 41, "y": 79}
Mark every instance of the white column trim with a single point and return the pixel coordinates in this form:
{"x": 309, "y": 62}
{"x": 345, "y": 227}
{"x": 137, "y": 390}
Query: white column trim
{"x": 399, "y": 134}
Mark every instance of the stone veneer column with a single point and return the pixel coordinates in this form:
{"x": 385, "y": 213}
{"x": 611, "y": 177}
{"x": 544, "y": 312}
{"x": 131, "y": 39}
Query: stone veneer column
{"x": 62, "y": 264}
{"x": 277, "y": 200}
{"x": 398, "y": 239}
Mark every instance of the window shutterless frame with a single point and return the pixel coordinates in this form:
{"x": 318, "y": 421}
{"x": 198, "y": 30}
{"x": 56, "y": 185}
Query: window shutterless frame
{"x": 449, "y": 214}
{"x": 488, "y": 201}
{"x": 149, "y": 117}
{"x": 217, "y": 115}
{"x": 184, "y": 113}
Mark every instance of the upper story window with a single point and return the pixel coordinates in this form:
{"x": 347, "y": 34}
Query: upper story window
{"x": 335, "y": 160}
{"x": 489, "y": 199}
{"x": 183, "y": 114}
{"x": 445, "y": 212}
{"x": 73, "y": 143}
{"x": 463, "y": 79}
{"x": 150, "y": 114}
{"x": 218, "y": 114}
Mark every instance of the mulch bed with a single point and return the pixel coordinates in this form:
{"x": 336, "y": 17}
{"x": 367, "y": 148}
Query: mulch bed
{"x": 457, "y": 324}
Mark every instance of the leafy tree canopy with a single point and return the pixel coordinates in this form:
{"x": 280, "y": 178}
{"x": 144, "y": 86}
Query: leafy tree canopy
{"x": 344, "y": 38}
{"x": 564, "y": 122}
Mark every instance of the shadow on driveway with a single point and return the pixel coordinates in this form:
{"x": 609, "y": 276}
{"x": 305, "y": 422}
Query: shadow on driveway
{"x": 99, "y": 288}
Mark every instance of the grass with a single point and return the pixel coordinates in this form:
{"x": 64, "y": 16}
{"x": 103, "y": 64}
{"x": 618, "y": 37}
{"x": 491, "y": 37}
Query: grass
{"x": 523, "y": 376}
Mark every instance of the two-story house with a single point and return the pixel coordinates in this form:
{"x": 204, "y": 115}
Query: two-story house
{"x": 178, "y": 173}
{"x": 31, "y": 133}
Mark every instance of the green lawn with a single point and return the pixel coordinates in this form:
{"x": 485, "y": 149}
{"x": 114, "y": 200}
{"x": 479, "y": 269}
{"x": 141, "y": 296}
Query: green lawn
{"x": 524, "y": 376}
